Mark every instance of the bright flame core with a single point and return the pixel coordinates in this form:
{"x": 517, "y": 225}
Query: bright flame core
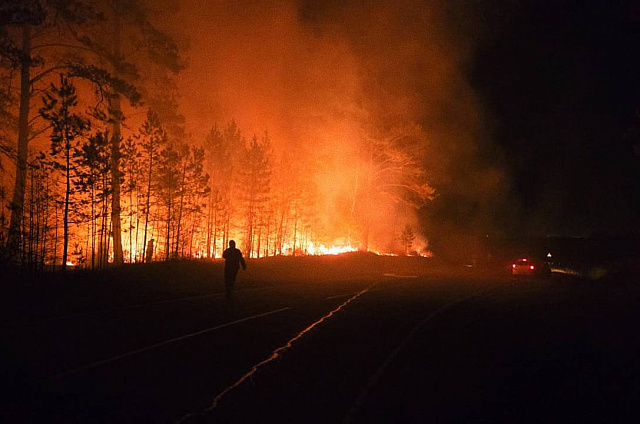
{"x": 333, "y": 250}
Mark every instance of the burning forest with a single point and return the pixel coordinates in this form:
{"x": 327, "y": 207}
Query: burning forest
{"x": 136, "y": 131}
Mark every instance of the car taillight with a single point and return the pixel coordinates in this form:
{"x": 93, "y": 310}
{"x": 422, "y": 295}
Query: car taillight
{"x": 532, "y": 267}
{"x": 513, "y": 265}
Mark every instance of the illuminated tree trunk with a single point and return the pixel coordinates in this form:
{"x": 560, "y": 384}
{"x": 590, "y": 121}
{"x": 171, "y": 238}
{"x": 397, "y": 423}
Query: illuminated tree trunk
{"x": 280, "y": 234}
{"x": 146, "y": 208}
{"x": 115, "y": 192}
{"x": 259, "y": 241}
{"x": 131, "y": 227}
{"x": 191, "y": 235}
{"x": 106, "y": 259}
{"x": 138, "y": 227}
{"x": 215, "y": 231}
{"x": 295, "y": 230}
{"x": 225, "y": 229}
{"x": 169, "y": 218}
{"x": 267, "y": 236}
{"x": 55, "y": 239}
{"x": 17, "y": 204}
{"x": 103, "y": 248}
{"x": 209, "y": 226}
{"x": 249, "y": 230}
{"x": 183, "y": 190}
{"x": 116, "y": 224}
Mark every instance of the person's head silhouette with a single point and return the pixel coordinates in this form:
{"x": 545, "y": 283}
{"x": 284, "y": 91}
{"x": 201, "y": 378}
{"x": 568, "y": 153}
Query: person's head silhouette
{"x": 232, "y": 244}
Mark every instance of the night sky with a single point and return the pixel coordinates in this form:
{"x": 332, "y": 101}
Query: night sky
{"x": 561, "y": 83}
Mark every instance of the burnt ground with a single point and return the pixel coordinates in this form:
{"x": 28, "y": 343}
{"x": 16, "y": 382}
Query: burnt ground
{"x": 409, "y": 340}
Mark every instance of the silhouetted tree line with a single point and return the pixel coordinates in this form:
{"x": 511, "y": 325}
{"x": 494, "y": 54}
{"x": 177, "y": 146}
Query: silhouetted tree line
{"x": 89, "y": 191}
{"x": 48, "y": 49}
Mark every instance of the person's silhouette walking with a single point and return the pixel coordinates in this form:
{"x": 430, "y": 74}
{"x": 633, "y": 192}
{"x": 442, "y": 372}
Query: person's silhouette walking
{"x": 232, "y": 261}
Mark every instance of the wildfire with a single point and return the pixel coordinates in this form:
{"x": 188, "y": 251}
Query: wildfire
{"x": 333, "y": 250}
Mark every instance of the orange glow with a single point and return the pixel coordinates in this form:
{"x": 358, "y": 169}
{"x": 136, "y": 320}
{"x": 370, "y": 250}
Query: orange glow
{"x": 349, "y": 161}
{"x": 333, "y": 250}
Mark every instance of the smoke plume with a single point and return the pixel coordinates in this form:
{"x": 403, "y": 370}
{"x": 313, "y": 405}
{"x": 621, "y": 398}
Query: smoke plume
{"x": 321, "y": 76}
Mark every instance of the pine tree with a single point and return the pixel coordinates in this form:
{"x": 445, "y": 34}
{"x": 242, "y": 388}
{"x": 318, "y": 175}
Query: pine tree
{"x": 223, "y": 151}
{"x": 153, "y": 141}
{"x": 254, "y": 179}
{"x": 93, "y": 179}
{"x": 66, "y": 128}
{"x": 132, "y": 174}
{"x": 168, "y": 184}
{"x": 193, "y": 191}
{"x": 128, "y": 29}
{"x": 35, "y": 61}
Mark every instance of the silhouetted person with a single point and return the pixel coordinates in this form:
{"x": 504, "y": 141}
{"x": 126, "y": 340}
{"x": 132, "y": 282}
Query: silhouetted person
{"x": 232, "y": 261}
{"x": 149, "y": 254}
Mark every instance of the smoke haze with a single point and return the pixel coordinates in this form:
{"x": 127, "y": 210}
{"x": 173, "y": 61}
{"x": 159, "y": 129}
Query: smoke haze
{"x": 320, "y": 76}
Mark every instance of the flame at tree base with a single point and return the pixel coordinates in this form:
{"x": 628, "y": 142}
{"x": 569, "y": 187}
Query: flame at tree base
{"x": 333, "y": 250}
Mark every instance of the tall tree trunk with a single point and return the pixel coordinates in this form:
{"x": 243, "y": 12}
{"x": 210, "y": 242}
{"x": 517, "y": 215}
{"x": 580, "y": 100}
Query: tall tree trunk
{"x": 182, "y": 191}
{"x": 116, "y": 223}
{"x": 131, "y": 223}
{"x": 101, "y": 236}
{"x": 55, "y": 239}
{"x": 86, "y": 244}
{"x": 94, "y": 223}
{"x": 226, "y": 229}
{"x": 215, "y": 230}
{"x": 146, "y": 209}
{"x": 249, "y": 232}
{"x": 46, "y": 223}
{"x": 169, "y": 218}
{"x": 115, "y": 182}
{"x": 32, "y": 222}
{"x": 280, "y": 233}
{"x": 67, "y": 192}
{"x": 259, "y": 241}
{"x": 104, "y": 230}
{"x": 137, "y": 226}
{"x": 209, "y": 224}
{"x": 295, "y": 230}
{"x": 106, "y": 260}
{"x": 17, "y": 204}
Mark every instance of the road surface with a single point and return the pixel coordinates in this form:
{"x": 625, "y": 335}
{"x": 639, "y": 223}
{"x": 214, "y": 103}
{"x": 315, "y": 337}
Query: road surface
{"x": 389, "y": 348}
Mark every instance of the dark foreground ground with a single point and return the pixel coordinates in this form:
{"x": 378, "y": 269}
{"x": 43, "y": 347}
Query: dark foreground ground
{"x": 357, "y": 338}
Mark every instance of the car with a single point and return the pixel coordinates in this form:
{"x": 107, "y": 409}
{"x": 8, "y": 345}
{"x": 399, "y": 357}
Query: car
{"x": 529, "y": 267}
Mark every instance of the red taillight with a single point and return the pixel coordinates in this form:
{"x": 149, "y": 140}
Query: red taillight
{"x": 513, "y": 265}
{"x": 532, "y": 267}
